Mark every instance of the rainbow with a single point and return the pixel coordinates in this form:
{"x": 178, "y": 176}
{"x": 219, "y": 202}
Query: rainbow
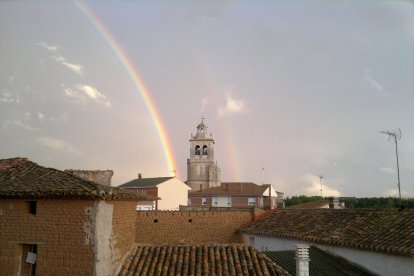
{"x": 136, "y": 79}
{"x": 230, "y": 150}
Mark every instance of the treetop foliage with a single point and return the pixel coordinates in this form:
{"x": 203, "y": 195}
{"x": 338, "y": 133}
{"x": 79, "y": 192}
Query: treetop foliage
{"x": 355, "y": 202}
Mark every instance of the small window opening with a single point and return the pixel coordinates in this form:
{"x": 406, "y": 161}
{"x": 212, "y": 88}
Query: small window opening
{"x": 155, "y": 220}
{"x": 205, "y": 152}
{"x": 32, "y": 207}
{"x": 190, "y": 220}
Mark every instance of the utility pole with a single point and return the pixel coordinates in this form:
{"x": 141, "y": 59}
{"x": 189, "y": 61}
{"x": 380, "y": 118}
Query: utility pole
{"x": 320, "y": 181}
{"x": 397, "y": 136}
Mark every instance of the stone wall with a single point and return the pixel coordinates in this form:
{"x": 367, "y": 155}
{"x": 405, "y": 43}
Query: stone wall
{"x": 190, "y": 227}
{"x": 101, "y": 177}
{"x": 61, "y": 229}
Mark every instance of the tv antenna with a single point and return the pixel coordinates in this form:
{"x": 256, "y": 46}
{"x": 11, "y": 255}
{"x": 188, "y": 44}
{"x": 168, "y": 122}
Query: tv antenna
{"x": 396, "y": 134}
{"x": 320, "y": 181}
{"x": 263, "y": 175}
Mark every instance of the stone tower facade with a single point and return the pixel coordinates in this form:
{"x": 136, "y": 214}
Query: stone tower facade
{"x": 202, "y": 171}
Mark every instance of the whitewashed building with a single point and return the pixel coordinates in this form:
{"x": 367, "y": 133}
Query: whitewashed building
{"x": 167, "y": 193}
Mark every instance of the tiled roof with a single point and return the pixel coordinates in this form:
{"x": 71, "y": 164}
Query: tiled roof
{"x": 234, "y": 189}
{"x": 387, "y": 231}
{"x": 235, "y": 259}
{"x": 144, "y": 182}
{"x": 321, "y": 263}
{"x": 310, "y": 205}
{"x": 22, "y": 178}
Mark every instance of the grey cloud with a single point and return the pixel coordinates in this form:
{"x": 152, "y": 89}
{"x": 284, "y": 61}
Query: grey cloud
{"x": 232, "y": 106}
{"x": 84, "y": 93}
{"x": 58, "y": 144}
{"x": 7, "y": 96}
{"x": 50, "y": 48}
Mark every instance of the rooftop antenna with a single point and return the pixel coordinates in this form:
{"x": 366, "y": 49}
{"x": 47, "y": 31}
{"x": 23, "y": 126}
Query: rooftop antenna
{"x": 320, "y": 181}
{"x": 263, "y": 172}
{"x": 396, "y": 134}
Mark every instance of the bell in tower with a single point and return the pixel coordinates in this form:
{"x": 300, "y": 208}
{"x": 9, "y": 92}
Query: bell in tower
{"x": 202, "y": 172}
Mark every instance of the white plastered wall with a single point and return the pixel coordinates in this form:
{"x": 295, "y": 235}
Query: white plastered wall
{"x": 102, "y": 230}
{"x": 173, "y": 193}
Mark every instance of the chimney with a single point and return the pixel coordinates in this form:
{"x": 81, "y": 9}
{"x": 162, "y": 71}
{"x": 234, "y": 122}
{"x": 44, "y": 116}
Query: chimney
{"x": 302, "y": 260}
{"x": 139, "y": 176}
{"x": 333, "y": 202}
{"x": 201, "y": 187}
{"x": 227, "y": 186}
{"x": 241, "y": 187}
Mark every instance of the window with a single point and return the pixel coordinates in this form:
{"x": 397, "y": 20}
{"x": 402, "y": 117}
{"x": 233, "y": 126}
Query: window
{"x": 203, "y": 201}
{"x": 252, "y": 201}
{"x": 31, "y": 207}
{"x": 205, "y": 152}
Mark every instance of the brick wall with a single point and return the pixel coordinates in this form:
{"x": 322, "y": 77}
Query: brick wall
{"x": 123, "y": 230}
{"x": 59, "y": 228}
{"x": 190, "y": 227}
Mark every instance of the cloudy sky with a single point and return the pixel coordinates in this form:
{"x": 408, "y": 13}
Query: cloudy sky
{"x": 290, "y": 90}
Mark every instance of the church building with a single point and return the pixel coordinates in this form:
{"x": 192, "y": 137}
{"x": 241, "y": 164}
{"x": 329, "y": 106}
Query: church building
{"x": 202, "y": 171}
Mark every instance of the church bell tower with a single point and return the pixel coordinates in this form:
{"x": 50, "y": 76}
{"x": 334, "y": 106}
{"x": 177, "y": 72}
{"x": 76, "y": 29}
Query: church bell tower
{"x": 202, "y": 171}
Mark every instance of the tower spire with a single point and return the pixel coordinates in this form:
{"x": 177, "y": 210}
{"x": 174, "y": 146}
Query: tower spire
{"x": 202, "y": 171}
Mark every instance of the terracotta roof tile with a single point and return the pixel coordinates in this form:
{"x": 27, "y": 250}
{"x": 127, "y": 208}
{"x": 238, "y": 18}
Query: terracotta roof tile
{"x": 234, "y": 259}
{"x": 234, "y": 189}
{"x": 22, "y": 178}
{"x": 310, "y": 205}
{"x": 387, "y": 231}
{"x": 321, "y": 263}
{"x": 145, "y": 182}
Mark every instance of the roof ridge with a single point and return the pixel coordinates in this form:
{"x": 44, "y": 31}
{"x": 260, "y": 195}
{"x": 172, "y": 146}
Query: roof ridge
{"x": 23, "y": 178}
{"x": 342, "y": 227}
